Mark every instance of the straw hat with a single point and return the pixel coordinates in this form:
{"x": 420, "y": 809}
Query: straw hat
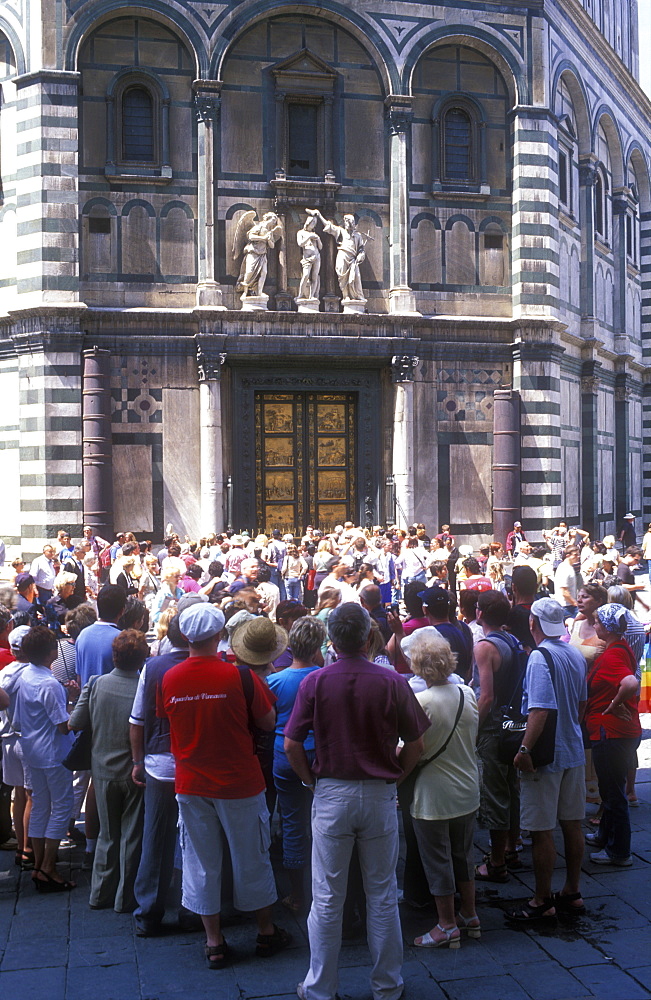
{"x": 259, "y": 641}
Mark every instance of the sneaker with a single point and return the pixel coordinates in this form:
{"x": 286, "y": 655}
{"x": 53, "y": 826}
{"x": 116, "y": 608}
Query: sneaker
{"x": 603, "y": 858}
{"x": 594, "y": 840}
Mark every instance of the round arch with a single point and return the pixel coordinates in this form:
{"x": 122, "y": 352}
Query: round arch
{"x": 12, "y": 37}
{"x": 109, "y": 10}
{"x": 566, "y": 71}
{"x": 605, "y": 118}
{"x": 249, "y": 13}
{"x": 635, "y": 156}
{"x": 475, "y": 38}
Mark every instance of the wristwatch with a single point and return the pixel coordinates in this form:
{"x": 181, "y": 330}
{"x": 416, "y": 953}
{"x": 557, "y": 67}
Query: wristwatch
{"x": 524, "y": 750}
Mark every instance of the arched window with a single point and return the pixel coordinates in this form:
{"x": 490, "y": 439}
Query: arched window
{"x": 601, "y": 205}
{"x": 137, "y": 126}
{"x": 457, "y": 145}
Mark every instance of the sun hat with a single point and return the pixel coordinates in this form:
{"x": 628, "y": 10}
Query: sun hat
{"x": 259, "y": 641}
{"x": 200, "y": 622}
{"x": 551, "y": 616}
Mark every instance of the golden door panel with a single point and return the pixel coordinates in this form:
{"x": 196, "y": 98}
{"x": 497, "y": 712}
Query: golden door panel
{"x": 305, "y": 459}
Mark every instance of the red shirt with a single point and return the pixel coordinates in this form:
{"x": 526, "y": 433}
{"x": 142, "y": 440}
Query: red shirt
{"x": 609, "y": 668}
{"x": 477, "y": 583}
{"x": 6, "y": 656}
{"x": 204, "y": 701}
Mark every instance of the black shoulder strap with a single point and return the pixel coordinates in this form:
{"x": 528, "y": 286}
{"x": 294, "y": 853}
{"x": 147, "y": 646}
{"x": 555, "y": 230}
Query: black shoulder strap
{"x": 247, "y": 688}
{"x": 443, "y": 748}
{"x": 549, "y": 660}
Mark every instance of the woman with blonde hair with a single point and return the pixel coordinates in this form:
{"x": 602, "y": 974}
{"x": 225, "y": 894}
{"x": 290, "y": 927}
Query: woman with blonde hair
{"x": 169, "y": 594}
{"x": 446, "y": 791}
{"x": 329, "y": 598}
{"x": 324, "y": 559}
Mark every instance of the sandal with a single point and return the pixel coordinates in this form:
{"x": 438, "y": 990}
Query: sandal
{"x": 564, "y": 901}
{"x": 267, "y": 945}
{"x": 217, "y": 955}
{"x": 528, "y": 913}
{"x": 291, "y": 904}
{"x": 452, "y": 938}
{"x": 49, "y": 884}
{"x": 470, "y": 925}
{"x": 511, "y": 860}
{"x": 494, "y": 873}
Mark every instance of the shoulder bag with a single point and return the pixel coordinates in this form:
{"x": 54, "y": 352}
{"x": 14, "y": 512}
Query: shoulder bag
{"x": 78, "y": 757}
{"x": 514, "y": 725}
{"x": 408, "y": 786}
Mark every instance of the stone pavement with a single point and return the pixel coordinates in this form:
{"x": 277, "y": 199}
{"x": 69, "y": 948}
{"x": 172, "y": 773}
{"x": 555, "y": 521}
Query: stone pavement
{"x": 56, "y": 948}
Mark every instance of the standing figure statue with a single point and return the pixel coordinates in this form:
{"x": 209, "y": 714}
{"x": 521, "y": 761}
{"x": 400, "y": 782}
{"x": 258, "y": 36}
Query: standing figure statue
{"x": 311, "y": 245}
{"x": 350, "y": 254}
{"x": 252, "y": 241}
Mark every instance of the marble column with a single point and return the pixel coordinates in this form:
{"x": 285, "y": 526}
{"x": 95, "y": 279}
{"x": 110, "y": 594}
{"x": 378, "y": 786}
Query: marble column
{"x": 590, "y": 382}
{"x": 210, "y": 430}
{"x": 403, "y": 374}
{"x": 96, "y": 442}
{"x": 506, "y": 462}
{"x": 620, "y": 203}
{"x": 399, "y": 118}
{"x": 207, "y": 104}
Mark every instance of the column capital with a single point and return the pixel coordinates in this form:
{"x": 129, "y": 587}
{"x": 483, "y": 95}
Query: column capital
{"x": 209, "y": 366}
{"x": 399, "y": 114}
{"x": 404, "y": 367}
{"x": 207, "y": 108}
{"x": 587, "y": 170}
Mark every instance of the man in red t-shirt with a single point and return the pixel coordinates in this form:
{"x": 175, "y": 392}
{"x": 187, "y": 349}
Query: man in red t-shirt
{"x": 219, "y": 782}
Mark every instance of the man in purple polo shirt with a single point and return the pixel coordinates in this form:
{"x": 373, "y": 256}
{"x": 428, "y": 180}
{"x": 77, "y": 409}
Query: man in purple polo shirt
{"x": 358, "y": 711}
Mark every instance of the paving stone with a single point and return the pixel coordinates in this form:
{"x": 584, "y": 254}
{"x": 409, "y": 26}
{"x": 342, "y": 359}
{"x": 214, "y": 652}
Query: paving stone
{"x": 101, "y": 951}
{"x": 609, "y": 983}
{"x": 614, "y": 913}
{"x": 547, "y": 981}
{"x": 643, "y": 976}
{"x": 34, "y": 984}
{"x": 628, "y": 949}
{"x": 31, "y": 953}
{"x": 181, "y": 971}
{"x": 511, "y": 947}
{"x": 99, "y": 923}
{"x": 492, "y": 988}
{"x": 470, "y": 961}
{"x": 114, "y": 983}
{"x": 568, "y": 948}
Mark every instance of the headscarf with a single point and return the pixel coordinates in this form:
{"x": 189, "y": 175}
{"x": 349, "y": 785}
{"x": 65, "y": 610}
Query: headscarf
{"x": 613, "y": 617}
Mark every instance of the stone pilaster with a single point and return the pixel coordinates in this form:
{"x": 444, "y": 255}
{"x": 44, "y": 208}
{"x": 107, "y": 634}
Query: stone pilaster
{"x": 534, "y": 250}
{"x": 207, "y": 102}
{"x": 590, "y": 381}
{"x": 620, "y": 320}
{"x": 622, "y": 464}
{"x": 399, "y": 117}
{"x": 210, "y": 429}
{"x": 47, "y": 193}
{"x": 587, "y": 178}
{"x": 537, "y": 377}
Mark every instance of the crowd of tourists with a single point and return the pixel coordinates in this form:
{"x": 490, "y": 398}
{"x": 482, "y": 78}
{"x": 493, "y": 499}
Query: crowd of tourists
{"x": 322, "y": 689}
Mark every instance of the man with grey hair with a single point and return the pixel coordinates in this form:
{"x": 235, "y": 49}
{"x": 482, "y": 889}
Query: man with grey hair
{"x": 358, "y": 711}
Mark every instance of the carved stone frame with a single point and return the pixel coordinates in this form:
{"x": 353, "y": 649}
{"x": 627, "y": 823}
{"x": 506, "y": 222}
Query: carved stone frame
{"x": 364, "y": 382}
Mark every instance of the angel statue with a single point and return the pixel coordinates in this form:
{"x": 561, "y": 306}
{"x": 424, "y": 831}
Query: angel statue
{"x": 350, "y": 254}
{"x": 252, "y": 241}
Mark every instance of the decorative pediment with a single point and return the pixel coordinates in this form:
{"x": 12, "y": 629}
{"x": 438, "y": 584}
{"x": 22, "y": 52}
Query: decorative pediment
{"x": 306, "y": 72}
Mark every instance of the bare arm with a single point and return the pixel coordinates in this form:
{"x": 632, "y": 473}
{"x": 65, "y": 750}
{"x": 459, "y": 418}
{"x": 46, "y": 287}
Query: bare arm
{"x": 535, "y": 725}
{"x": 137, "y": 740}
{"x": 627, "y": 689}
{"x": 297, "y": 757}
{"x": 488, "y": 660}
{"x": 267, "y": 721}
{"x": 409, "y": 757}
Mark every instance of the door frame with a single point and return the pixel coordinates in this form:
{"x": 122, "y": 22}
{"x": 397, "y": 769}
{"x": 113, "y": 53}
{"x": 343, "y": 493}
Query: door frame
{"x": 365, "y": 382}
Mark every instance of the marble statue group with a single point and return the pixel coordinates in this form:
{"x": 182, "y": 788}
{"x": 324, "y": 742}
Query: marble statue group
{"x": 254, "y": 239}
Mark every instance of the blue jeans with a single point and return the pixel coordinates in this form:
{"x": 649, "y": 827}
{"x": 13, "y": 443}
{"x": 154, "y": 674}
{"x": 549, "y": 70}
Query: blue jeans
{"x": 158, "y": 844}
{"x": 295, "y": 805}
{"x": 294, "y": 590}
{"x": 612, "y": 759}
{"x": 277, "y": 579}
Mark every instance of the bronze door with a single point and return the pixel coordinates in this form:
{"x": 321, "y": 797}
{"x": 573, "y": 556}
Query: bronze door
{"x": 305, "y": 460}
